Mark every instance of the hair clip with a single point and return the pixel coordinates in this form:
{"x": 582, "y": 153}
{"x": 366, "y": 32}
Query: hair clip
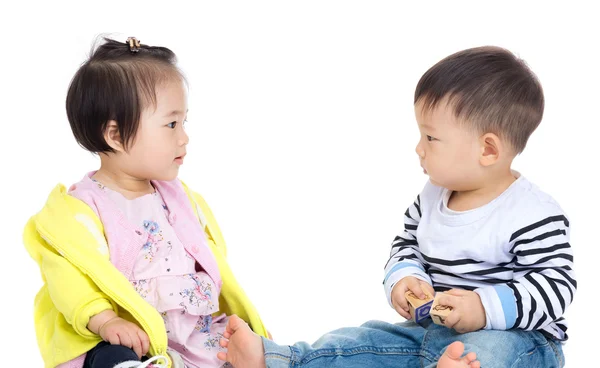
{"x": 133, "y": 43}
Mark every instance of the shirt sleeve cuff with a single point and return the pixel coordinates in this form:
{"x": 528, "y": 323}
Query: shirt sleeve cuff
{"x": 499, "y": 305}
{"x": 99, "y": 302}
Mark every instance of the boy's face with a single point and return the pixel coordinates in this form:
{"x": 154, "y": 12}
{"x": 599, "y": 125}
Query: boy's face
{"x": 449, "y": 153}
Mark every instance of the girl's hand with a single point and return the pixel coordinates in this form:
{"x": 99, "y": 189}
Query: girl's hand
{"x": 118, "y": 331}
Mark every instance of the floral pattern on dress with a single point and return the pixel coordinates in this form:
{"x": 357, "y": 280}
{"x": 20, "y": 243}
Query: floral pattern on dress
{"x": 200, "y": 294}
{"x": 204, "y": 323}
{"x": 142, "y": 287}
{"x": 213, "y": 341}
{"x": 168, "y": 277}
{"x": 154, "y": 237}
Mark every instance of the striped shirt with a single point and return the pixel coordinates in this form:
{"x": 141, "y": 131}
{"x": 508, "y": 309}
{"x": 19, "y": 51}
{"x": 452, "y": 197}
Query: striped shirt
{"x": 514, "y": 252}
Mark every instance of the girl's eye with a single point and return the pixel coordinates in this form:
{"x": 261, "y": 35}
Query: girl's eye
{"x": 172, "y": 124}
{"x": 430, "y": 138}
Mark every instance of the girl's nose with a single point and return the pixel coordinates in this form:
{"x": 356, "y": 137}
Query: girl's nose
{"x": 184, "y": 139}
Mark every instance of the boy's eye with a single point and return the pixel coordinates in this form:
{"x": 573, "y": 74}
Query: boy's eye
{"x": 172, "y": 124}
{"x": 430, "y": 138}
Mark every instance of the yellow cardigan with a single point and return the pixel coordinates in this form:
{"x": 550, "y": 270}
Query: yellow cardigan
{"x": 66, "y": 240}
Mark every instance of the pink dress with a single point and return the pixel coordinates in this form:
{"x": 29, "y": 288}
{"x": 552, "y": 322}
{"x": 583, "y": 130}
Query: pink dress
{"x": 168, "y": 278}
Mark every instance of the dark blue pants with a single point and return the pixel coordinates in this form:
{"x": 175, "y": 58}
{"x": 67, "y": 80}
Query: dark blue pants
{"x": 105, "y": 355}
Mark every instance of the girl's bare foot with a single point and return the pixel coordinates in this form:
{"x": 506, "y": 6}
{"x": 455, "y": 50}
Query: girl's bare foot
{"x": 452, "y": 359}
{"x": 244, "y": 347}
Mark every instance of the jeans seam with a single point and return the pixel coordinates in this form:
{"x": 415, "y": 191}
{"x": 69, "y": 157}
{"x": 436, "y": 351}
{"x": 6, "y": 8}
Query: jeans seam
{"x": 530, "y": 352}
{"x": 355, "y": 351}
{"x": 290, "y": 357}
{"x": 559, "y": 356}
{"x": 425, "y": 353}
{"x": 294, "y": 354}
{"x": 279, "y": 357}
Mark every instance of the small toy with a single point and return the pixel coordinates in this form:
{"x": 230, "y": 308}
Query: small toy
{"x": 419, "y": 308}
{"x": 439, "y": 312}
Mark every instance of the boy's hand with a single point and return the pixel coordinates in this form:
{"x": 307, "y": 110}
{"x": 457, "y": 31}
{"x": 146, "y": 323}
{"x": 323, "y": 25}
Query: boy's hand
{"x": 408, "y": 283}
{"x": 468, "y": 314}
{"x": 118, "y": 331}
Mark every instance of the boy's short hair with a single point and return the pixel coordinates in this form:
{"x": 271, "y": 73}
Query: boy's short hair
{"x": 116, "y": 84}
{"x": 489, "y": 89}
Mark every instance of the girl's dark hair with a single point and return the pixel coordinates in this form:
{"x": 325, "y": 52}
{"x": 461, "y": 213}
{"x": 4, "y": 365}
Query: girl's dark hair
{"x": 490, "y": 89}
{"x": 116, "y": 84}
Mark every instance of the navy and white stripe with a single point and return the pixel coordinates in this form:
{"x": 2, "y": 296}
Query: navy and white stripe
{"x": 514, "y": 252}
{"x": 406, "y": 259}
{"x": 544, "y": 282}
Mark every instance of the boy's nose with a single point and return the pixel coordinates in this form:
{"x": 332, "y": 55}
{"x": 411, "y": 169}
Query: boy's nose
{"x": 420, "y": 151}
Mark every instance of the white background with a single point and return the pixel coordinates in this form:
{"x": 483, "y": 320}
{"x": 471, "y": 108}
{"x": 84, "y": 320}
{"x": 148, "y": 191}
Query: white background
{"x": 302, "y": 137}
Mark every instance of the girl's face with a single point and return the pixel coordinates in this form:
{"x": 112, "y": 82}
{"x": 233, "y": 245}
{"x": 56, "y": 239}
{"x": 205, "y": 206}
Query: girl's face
{"x": 159, "y": 146}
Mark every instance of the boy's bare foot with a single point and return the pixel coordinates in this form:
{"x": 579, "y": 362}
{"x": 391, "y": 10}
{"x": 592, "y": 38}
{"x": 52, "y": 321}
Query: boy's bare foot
{"x": 244, "y": 347}
{"x": 452, "y": 359}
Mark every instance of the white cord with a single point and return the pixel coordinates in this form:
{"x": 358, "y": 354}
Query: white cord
{"x": 147, "y": 363}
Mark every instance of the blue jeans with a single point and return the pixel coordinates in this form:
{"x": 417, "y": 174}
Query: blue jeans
{"x": 407, "y": 344}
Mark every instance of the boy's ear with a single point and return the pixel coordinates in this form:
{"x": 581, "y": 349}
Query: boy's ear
{"x": 113, "y": 137}
{"x": 491, "y": 149}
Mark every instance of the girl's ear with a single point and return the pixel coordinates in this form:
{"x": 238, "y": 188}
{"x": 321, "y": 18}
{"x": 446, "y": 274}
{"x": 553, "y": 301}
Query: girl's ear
{"x": 113, "y": 137}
